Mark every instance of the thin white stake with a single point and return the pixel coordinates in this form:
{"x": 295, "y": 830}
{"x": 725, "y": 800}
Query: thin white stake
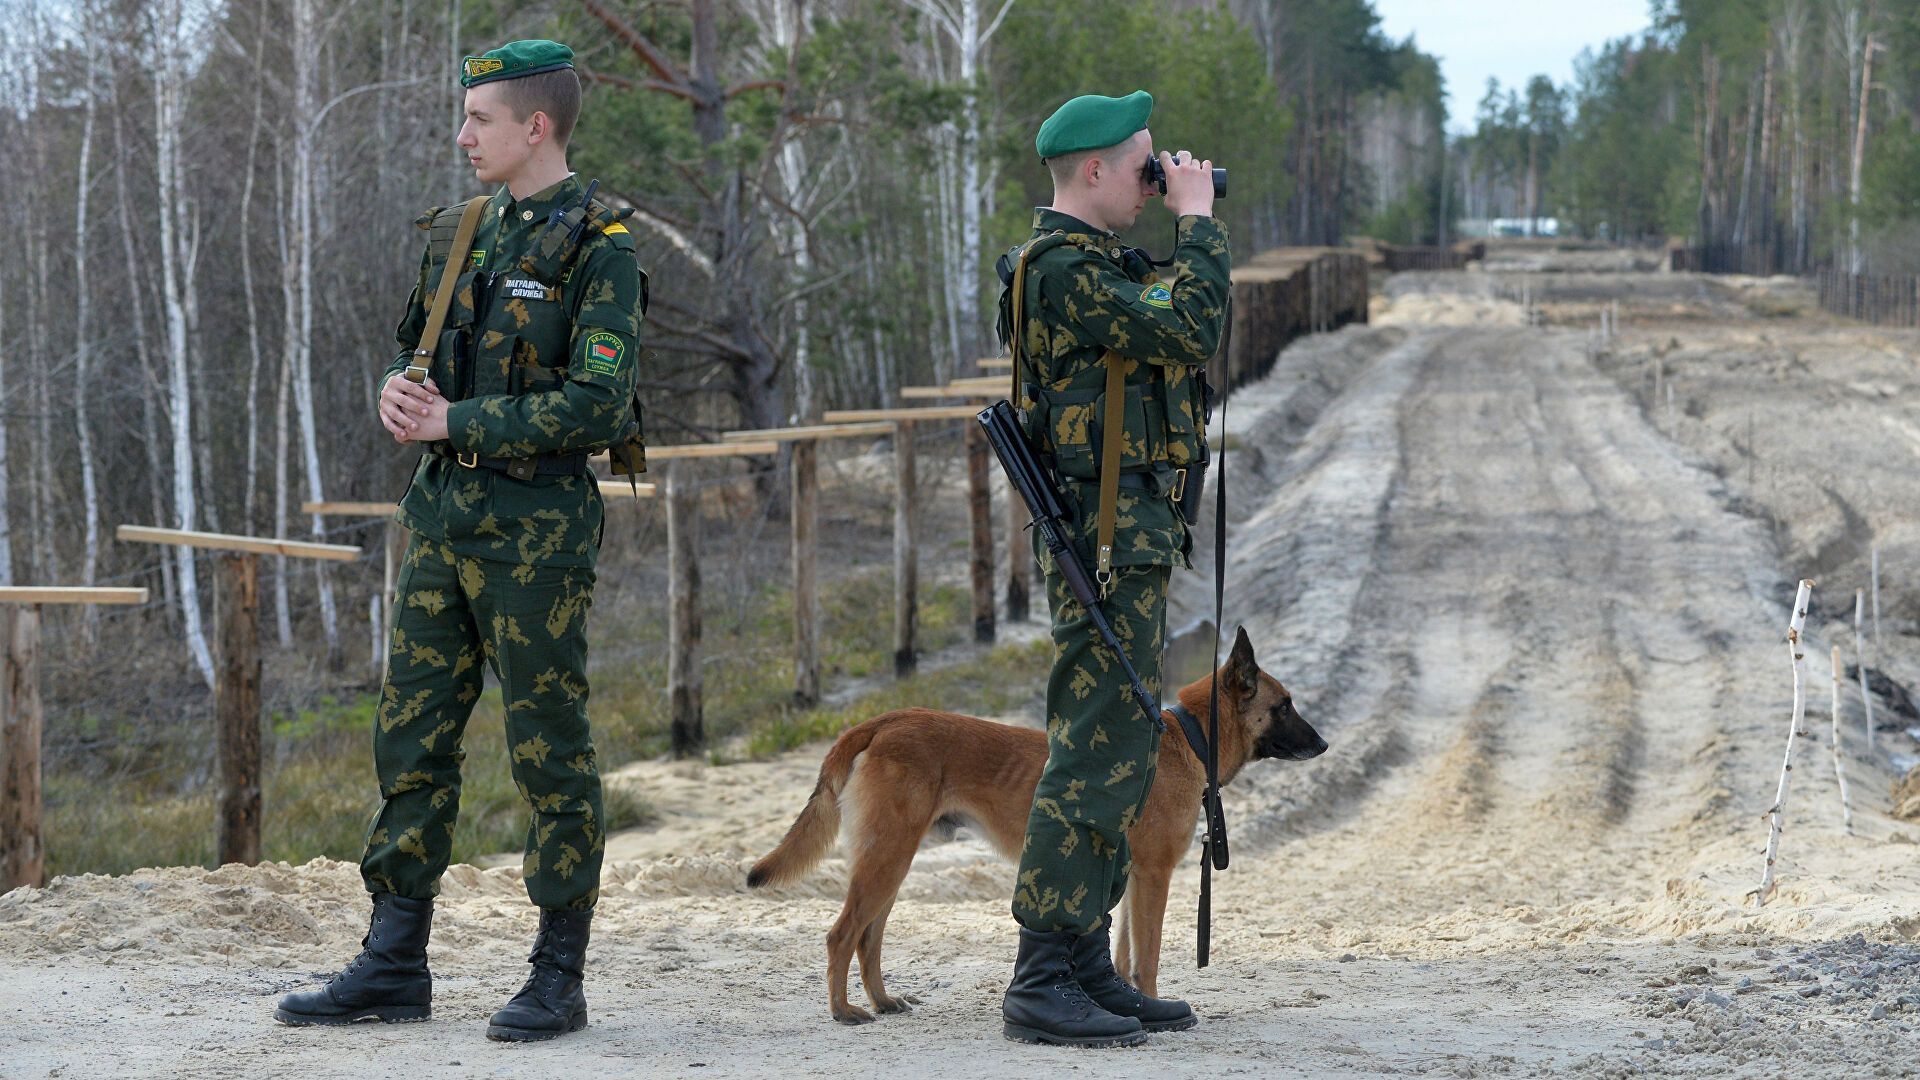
{"x": 1840, "y": 774}
{"x": 1860, "y": 661}
{"x": 1669, "y": 406}
{"x": 1876, "y": 600}
{"x": 1777, "y": 814}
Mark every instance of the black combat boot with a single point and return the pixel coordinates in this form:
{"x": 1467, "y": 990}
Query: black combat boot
{"x": 553, "y": 1002}
{"x": 388, "y": 981}
{"x": 1093, "y": 970}
{"x": 1044, "y": 1003}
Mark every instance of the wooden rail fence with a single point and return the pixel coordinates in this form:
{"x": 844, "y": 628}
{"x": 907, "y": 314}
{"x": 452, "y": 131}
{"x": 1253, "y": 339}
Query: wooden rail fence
{"x": 1278, "y": 297}
{"x": 1880, "y": 299}
{"x": 1395, "y": 258}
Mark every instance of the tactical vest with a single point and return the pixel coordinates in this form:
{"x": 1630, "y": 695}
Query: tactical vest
{"x": 1164, "y": 418}
{"x": 508, "y": 330}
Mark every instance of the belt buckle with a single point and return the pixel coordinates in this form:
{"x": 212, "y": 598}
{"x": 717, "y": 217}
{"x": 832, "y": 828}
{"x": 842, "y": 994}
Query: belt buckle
{"x": 1179, "y": 484}
{"x": 471, "y": 461}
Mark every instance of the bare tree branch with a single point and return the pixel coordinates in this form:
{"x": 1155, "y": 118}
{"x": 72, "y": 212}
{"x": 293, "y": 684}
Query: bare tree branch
{"x": 649, "y": 53}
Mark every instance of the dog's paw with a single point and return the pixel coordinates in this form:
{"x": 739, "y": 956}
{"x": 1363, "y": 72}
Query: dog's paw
{"x": 891, "y": 1004}
{"x": 853, "y": 1014}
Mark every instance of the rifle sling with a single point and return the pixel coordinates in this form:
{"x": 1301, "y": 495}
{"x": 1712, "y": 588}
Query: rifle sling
{"x": 1113, "y": 435}
{"x": 443, "y": 296}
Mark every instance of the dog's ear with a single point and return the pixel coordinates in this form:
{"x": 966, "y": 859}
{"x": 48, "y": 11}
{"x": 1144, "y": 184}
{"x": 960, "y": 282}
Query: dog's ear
{"x": 1241, "y": 674}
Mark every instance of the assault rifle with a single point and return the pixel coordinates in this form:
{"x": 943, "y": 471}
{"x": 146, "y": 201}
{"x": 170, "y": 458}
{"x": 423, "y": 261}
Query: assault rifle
{"x": 1043, "y": 502}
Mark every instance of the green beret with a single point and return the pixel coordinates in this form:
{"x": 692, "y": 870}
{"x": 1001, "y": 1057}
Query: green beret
{"x": 1092, "y": 122}
{"x": 514, "y": 60}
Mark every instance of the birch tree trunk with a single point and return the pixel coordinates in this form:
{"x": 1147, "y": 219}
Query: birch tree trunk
{"x": 1856, "y": 259}
{"x": 83, "y": 357}
{"x": 1791, "y": 32}
{"x": 297, "y": 290}
{"x": 169, "y": 76}
{"x": 249, "y": 499}
{"x": 149, "y": 409}
{"x": 962, "y": 197}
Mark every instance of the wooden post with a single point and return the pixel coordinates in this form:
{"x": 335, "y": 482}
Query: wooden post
{"x": 1860, "y": 664}
{"x": 396, "y": 553}
{"x": 806, "y": 558}
{"x": 22, "y": 848}
{"x": 1018, "y": 557}
{"x": 236, "y": 692}
{"x": 906, "y": 558}
{"x": 236, "y": 705}
{"x": 1840, "y": 774}
{"x": 376, "y": 639}
{"x": 1875, "y": 581}
{"x": 22, "y": 858}
{"x": 683, "y": 601}
{"x": 980, "y": 514}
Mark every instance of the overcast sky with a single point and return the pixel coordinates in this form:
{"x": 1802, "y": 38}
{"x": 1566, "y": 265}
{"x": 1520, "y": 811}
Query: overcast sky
{"x": 1510, "y": 40}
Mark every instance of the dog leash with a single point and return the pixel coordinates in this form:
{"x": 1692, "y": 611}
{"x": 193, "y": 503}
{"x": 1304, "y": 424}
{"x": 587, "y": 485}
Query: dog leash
{"x": 1213, "y": 846}
{"x": 1213, "y": 849}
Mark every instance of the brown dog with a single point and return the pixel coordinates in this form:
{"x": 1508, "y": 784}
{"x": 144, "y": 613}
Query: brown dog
{"x": 917, "y": 767}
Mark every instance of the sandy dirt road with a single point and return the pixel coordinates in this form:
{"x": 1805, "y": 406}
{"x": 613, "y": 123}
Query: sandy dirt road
{"x": 1545, "y": 638}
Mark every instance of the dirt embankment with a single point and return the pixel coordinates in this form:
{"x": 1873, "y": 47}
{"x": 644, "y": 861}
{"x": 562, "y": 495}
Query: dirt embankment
{"x": 1539, "y": 620}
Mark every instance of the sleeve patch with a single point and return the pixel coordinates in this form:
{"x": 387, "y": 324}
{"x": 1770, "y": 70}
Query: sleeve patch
{"x": 604, "y": 352}
{"x": 1157, "y": 295}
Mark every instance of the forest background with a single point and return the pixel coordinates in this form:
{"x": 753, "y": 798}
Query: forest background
{"x": 211, "y": 206}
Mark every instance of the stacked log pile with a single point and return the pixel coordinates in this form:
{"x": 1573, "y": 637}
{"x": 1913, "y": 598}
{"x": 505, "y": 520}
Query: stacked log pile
{"x": 1282, "y": 294}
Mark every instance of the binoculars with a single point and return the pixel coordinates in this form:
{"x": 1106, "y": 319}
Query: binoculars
{"x": 1154, "y": 174}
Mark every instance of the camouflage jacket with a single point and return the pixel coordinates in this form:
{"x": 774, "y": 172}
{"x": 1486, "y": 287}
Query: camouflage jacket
{"x": 530, "y": 368}
{"x": 1091, "y": 294}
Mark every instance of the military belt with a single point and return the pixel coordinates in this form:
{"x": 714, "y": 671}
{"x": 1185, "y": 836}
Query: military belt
{"x": 574, "y": 464}
{"x": 1153, "y": 483}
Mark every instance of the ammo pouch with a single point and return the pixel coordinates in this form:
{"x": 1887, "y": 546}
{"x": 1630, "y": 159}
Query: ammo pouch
{"x": 1072, "y": 424}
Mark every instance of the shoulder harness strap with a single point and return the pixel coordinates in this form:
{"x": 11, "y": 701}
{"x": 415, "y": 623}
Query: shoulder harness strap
{"x": 443, "y": 296}
{"x": 1017, "y": 335}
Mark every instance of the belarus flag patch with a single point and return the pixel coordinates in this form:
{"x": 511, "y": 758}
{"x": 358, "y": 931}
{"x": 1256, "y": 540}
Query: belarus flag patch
{"x": 604, "y": 353}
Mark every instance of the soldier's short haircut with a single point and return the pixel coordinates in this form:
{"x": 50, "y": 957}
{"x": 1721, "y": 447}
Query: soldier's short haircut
{"x": 556, "y": 93}
{"x": 1066, "y": 167}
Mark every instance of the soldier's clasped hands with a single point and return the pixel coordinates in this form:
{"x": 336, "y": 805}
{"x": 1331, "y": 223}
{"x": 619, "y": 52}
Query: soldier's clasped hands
{"x": 413, "y": 412}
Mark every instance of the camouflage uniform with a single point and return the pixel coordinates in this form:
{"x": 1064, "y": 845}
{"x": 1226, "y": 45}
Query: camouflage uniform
{"x": 499, "y": 568}
{"x": 1087, "y": 294}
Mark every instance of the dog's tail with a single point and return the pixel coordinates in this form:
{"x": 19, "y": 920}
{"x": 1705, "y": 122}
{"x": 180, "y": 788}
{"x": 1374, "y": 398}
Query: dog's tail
{"x": 812, "y": 834}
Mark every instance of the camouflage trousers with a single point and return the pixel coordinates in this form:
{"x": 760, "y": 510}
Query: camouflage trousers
{"x": 529, "y": 624}
{"x": 1100, "y": 756}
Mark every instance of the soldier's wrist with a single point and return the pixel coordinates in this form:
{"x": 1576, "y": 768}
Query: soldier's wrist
{"x": 460, "y": 433}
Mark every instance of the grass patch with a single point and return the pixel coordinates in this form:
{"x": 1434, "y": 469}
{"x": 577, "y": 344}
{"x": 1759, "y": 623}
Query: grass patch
{"x": 1002, "y": 680}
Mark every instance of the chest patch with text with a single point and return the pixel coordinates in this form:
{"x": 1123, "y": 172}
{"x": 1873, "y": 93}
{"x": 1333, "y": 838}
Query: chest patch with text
{"x": 526, "y": 289}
